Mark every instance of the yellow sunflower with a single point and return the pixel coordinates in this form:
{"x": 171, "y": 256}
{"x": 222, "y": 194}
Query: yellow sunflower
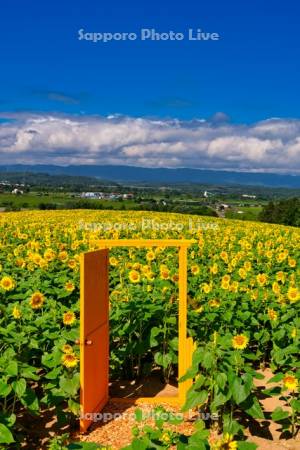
{"x": 280, "y": 276}
{"x": 72, "y": 263}
{"x": 67, "y": 348}
{"x": 214, "y": 269}
{"x": 290, "y": 382}
{"x": 294, "y": 333}
{"x": 164, "y": 273}
{"x": 292, "y": 262}
{"x": 69, "y": 286}
{"x": 134, "y": 276}
{"x": 272, "y": 314}
{"x": 206, "y": 288}
{"x": 195, "y": 269}
{"x": 63, "y": 256}
{"x": 214, "y": 303}
{"x": 113, "y": 261}
{"x": 243, "y": 273}
{"x": 37, "y": 299}
{"x": 7, "y": 283}
{"x": 240, "y": 342}
{"x": 150, "y": 256}
{"x": 261, "y": 279}
{"x": 293, "y": 294}
{"x": 16, "y": 313}
{"x": 69, "y": 318}
{"x": 69, "y": 360}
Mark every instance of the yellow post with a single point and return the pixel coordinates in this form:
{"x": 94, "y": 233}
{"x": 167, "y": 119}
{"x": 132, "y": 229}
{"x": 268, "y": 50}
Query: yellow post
{"x": 182, "y": 321}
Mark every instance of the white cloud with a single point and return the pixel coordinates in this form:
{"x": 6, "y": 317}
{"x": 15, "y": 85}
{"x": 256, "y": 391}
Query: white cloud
{"x": 270, "y": 145}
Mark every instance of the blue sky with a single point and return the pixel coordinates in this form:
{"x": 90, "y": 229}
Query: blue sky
{"x": 165, "y": 100}
{"x": 251, "y": 74}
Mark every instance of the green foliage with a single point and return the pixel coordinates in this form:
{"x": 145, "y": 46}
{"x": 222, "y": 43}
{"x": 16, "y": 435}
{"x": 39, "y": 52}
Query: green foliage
{"x": 286, "y": 212}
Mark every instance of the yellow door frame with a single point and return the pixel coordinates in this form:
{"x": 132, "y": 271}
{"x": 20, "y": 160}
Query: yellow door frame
{"x": 186, "y": 345}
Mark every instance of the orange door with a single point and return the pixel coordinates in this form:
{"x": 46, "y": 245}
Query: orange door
{"x": 94, "y": 335}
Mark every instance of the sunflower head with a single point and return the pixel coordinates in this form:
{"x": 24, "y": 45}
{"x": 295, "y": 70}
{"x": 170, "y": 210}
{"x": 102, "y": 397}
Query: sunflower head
{"x": 293, "y": 294}
{"x": 36, "y": 300}
{"x": 7, "y": 283}
{"x": 69, "y": 286}
{"x": 16, "y": 313}
{"x": 69, "y": 360}
{"x": 150, "y": 256}
{"x": 164, "y": 273}
{"x": 67, "y": 348}
{"x": 69, "y": 318}
{"x": 134, "y": 276}
{"x": 290, "y": 382}
{"x": 240, "y": 342}
{"x": 113, "y": 261}
{"x": 195, "y": 269}
{"x": 272, "y": 314}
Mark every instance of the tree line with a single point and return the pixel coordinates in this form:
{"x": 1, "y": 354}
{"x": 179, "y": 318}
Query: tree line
{"x": 285, "y": 212}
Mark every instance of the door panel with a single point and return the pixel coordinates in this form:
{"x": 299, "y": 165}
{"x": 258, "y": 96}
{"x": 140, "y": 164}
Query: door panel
{"x": 94, "y": 335}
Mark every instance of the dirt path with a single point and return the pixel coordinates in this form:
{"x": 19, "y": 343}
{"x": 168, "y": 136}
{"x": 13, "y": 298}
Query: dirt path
{"x": 117, "y": 432}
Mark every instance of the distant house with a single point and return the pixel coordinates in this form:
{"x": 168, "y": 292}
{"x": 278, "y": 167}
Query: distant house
{"x": 248, "y": 196}
{"x": 90, "y": 195}
{"x": 17, "y": 191}
{"x": 128, "y": 196}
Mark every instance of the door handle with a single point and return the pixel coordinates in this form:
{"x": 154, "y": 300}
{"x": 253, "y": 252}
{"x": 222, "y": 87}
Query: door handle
{"x": 86, "y": 342}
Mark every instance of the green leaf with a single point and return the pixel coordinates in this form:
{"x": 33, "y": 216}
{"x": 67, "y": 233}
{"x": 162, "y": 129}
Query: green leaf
{"x": 258, "y": 375}
{"x": 8, "y": 419}
{"x": 197, "y": 356}
{"x": 73, "y": 406}
{"x": 272, "y": 392}
{"x": 199, "y": 425}
{"x": 194, "y": 399}
{"x": 52, "y": 360}
{"x": 199, "y": 381}
{"x": 29, "y": 372}
{"x": 163, "y": 360}
{"x": 231, "y": 426}
{"x": 240, "y": 391}
{"x": 139, "y": 444}
{"x": 198, "y": 437}
{"x": 6, "y": 436}
{"x": 253, "y": 408}
{"x": 19, "y": 387}
{"x": 295, "y": 404}
{"x": 12, "y": 369}
{"x": 221, "y": 379}
{"x": 279, "y": 414}
{"x": 30, "y": 400}
{"x": 244, "y": 445}
{"x": 138, "y": 415}
{"x": 84, "y": 446}
{"x": 174, "y": 344}
{"x": 53, "y": 374}
{"x": 155, "y": 331}
{"x": 5, "y": 389}
{"x": 219, "y": 399}
{"x": 70, "y": 386}
{"x": 278, "y": 377}
{"x": 190, "y": 373}
{"x": 208, "y": 360}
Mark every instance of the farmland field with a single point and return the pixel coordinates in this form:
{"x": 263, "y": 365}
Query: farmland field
{"x": 243, "y": 297}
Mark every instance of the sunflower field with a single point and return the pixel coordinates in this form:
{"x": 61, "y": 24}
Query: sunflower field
{"x": 243, "y": 304}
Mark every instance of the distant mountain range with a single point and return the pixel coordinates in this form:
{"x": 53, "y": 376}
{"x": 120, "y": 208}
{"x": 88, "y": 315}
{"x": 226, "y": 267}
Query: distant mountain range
{"x": 129, "y": 174}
